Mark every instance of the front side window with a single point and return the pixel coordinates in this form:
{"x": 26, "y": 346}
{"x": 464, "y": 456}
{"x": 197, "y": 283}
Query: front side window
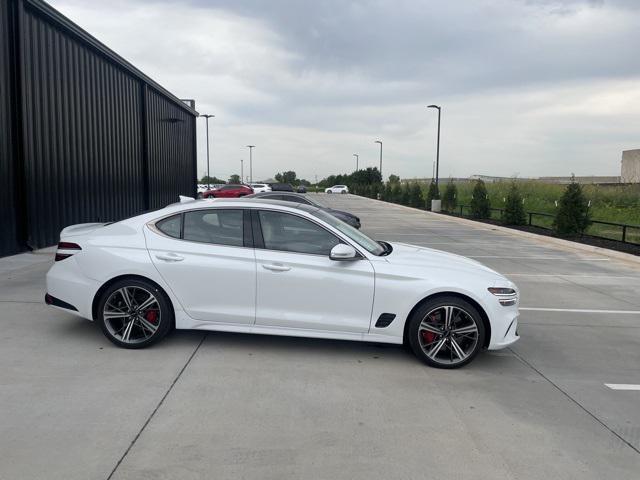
{"x": 290, "y": 233}
{"x": 222, "y": 227}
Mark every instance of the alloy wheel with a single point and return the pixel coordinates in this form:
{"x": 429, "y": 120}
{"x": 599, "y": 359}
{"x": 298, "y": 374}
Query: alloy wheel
{"x": 132, "y": 314}
{"x": 448, "y": 335}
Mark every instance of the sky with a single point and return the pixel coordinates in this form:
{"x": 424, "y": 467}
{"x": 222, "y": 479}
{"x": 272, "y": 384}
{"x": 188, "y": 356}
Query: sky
{"x": 527, "y": 87}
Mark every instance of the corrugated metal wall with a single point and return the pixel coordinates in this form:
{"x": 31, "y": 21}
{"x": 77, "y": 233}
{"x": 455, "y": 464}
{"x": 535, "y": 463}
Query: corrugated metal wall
{"x": 99, "y": 140}
{"x": 8, "y": 234}
{"x": 170, "y": 134}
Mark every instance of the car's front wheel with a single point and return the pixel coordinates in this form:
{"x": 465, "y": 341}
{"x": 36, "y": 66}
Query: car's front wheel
{"x": 446, "y": 332}
{"x": 134, "y": 313}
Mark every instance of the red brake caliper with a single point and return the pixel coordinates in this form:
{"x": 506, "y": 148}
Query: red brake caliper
{"x": 151, "y": 316}
{"x": 428, "y": 336}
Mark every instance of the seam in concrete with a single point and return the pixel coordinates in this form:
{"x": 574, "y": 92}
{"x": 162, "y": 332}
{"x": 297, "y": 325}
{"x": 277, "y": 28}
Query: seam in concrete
{"x": 565, "y": 244}
{"x": 166, "y": 394}
{"x": 573, "y": 400}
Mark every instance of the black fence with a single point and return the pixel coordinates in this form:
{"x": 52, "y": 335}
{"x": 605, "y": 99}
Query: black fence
{"x": 621, "y": 232}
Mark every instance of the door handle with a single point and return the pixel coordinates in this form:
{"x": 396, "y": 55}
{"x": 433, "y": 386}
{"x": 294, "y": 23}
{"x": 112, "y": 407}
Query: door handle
{"x": 275, "y": 267}
{"x": 169, "y": 257}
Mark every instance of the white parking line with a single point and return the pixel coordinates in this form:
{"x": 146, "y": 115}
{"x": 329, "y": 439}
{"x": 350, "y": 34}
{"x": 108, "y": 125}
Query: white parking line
{"x": 594, "y": 259}
{"x": 569, "y": 275}
{"x": 579, "y": 310}
{"x": 622, "y": 386}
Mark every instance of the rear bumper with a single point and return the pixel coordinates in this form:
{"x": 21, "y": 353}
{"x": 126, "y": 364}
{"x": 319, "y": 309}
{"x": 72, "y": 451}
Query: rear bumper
{"x": 68, "y": 287}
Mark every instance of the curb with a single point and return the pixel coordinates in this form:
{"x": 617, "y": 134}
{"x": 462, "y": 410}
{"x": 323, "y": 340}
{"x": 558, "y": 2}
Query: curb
{"x": 565, "y": 244}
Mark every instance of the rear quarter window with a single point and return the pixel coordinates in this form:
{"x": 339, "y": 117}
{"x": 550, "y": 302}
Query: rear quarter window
{"x": 170, "y": 226}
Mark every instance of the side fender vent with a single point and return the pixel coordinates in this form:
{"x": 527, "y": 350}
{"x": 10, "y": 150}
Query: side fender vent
{"x": 385, "y": 320}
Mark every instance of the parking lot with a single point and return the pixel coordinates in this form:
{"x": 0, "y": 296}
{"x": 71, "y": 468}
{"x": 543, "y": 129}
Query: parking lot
{"x": 219, "y": 405}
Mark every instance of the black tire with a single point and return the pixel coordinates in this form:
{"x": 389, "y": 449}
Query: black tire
{"x": 433, "y": 313}
{"x": 329, "y": 192}
{"x": 162, "y": 318}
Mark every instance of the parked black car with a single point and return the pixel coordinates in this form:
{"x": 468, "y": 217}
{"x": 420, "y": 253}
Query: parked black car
{"x": 281, "y": 187}
{"x": 346, "y": 217}
{"x": 301, "y": 189}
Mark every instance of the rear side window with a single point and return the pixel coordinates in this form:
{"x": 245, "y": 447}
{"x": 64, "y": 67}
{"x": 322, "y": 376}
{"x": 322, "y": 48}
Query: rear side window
{"x": 170, "y": 226}
{"x": 222, "y": 227}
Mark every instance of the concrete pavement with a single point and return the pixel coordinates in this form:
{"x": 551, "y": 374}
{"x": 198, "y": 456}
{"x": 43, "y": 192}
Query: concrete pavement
{"x": 240, "y": 406}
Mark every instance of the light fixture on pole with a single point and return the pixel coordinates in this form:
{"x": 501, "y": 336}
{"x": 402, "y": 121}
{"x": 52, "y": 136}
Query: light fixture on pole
{"x": 438, "y": 147}
{"x": 207, "y": 117}
{"x": 378, "y": 141}
{"x": 357, "y": 158}
{"x": 251, "y": 147}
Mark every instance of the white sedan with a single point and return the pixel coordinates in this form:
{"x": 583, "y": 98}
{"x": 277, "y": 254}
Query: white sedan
{"x": 270, "y": 267}
{"x": 260, "y": 187}
{"x": 337, "y": 189}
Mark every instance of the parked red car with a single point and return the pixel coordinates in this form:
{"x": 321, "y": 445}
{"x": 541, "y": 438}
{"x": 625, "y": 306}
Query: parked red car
{"x": 229, "y": 191}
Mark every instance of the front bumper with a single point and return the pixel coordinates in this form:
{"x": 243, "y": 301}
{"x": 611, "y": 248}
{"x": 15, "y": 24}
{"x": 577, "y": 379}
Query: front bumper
{"x": 502, "y": 339}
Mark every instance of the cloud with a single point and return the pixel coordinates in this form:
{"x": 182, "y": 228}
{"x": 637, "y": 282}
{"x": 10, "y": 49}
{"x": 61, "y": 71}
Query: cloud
{"x": 538, "y": 87}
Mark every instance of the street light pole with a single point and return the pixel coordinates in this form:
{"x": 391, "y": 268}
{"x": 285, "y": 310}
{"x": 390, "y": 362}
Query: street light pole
{"x": 241, "y": 170}
{"x": 438, "y": 147}
{"x": 357, "y": 158}
{"x": 378, "y": 141}
{"x": 251, "y": 147}
{"x": 207, "y": 117}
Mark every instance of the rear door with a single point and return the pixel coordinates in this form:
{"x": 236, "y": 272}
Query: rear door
{"x": 206, "y": 257}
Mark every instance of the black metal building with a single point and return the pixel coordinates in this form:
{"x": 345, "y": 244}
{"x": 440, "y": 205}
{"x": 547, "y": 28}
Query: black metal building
{"x": 84, "y": 135}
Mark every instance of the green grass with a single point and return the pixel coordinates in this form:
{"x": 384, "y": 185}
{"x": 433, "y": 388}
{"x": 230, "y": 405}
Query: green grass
{"x": 609, "y": 203}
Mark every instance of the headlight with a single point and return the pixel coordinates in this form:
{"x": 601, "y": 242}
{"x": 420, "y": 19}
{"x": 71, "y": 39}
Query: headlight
{"x": 506, "y": 296}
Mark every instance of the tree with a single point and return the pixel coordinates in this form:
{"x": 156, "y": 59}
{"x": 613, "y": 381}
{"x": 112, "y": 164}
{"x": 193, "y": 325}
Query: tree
{"x": 235, "y": 178}
{"x": 514, "y": 208}
{"x": 432, "y": 194}
{"x": 415, "y": 195}
{"x": 210, "y": 180}
{"x": 573, "y": 215}
{"x": 287, "y": 177}
{"x": 480, "y": 205}
{"x": 450, "y": 197}
{"x": 394, "y": 179}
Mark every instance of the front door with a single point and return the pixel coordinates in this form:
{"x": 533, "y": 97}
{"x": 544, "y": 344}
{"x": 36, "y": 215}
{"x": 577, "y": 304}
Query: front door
{"x": 299, "y": 286}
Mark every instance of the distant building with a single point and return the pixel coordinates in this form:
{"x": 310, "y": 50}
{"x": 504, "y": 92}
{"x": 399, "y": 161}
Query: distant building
{"x": 631, "y": 166}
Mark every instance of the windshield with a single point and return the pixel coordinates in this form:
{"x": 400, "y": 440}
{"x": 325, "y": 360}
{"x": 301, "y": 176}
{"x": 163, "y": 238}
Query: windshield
{"x": 357, "y": 236}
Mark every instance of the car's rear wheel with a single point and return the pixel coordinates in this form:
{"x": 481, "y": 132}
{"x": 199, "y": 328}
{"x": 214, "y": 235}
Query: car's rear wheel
{"x": 446, "y": 332}
{"x": 134, "y": 313}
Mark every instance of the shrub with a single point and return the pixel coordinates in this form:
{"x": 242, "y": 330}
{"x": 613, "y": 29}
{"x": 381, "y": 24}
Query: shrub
{"x": 514, "y": 209}
{"x": 480, "y": 205}
{"x": 432, "y": 194}
{"x": 572, "y": 217}
{"x": 396, "y": 193}
{"x": 450, "y": 197}
{"x": 415, "y": 196}
{"x": 404, "y": 199}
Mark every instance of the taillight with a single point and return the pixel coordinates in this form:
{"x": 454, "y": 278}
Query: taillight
{"x": 70, "y": 248}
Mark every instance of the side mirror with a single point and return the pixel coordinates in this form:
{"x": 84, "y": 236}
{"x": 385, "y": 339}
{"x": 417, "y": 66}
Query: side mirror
{"x": 343, "y": 251}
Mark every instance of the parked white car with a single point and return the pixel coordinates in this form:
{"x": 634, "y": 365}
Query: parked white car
{"x": 337, "y": 189}
{"x": 260, "y": 187}
{"x": 265, "y": 267}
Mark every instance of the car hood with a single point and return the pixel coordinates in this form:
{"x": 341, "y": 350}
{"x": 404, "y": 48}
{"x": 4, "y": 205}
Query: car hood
{"x": 413, "y": 255}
